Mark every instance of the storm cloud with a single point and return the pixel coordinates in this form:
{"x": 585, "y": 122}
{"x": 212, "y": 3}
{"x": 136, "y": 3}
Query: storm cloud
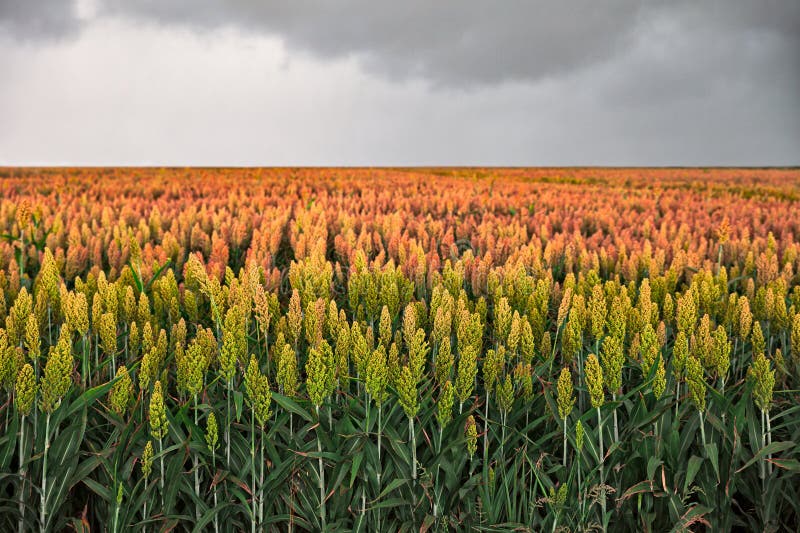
{"x": 357, "y": 82}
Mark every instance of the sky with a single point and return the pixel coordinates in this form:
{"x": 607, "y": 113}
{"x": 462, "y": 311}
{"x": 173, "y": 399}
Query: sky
{"x": 359, "y": 82}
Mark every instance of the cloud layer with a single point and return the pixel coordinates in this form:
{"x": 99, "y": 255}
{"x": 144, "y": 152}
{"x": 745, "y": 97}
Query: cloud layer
{"x": 203, "y": 82}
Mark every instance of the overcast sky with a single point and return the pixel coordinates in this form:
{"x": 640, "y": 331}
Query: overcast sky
{"x": 420, "y": 82}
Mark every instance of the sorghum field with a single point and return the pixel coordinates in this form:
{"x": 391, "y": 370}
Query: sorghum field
{"x": 399, "y": 349}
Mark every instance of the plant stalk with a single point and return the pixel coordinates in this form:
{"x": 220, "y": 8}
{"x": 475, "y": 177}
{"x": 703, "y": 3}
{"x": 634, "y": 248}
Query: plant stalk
{"x": 22, "y": 476}
{"x": 43, "y": 511}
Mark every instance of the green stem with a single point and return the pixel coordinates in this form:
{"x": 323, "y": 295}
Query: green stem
{"x": 253, "y": 469}
{"x": 144, "y": 505}
{"x": 321, "y": 478}
{"x": 116, "y": 514}
{"x": 261, "y": 483}
{"x": 196, "y": 466}
{"x": 43, "y": 511}
{"x": 161, "y": 462}
{"x": 769, "y": 441}
{"x": 602, "y": 472}
{"x": 380, "y": 466}
{"x": 565, "y": 442}
{"x": 486, "y": 433}
{"x": 22, "y": 475}
{"x": 702, "y": 429}
{"x": 214, "y": 468}
{"x": 228, "y": 425}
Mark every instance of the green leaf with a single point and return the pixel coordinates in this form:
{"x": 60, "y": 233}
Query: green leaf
{"x": 775, "y": 447}
{"x": 355, "y": 466}
{"x": 292, "y": 406}
{"x": 394, "y": 484}
{"x": 692, "y": 468}
{"x": 713, "y": 455}
{"x": 238, "y": 400}
{"x": 792, "y": 465}
{"x": 652, "y": 464}
{"x": 88, "y": 398}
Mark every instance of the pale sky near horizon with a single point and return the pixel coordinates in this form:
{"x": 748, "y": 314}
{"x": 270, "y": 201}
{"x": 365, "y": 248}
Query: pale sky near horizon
{"x": 358, "y": 82}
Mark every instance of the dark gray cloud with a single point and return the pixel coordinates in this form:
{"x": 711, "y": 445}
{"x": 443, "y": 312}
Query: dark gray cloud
{"x": 450, "y": 42}
{"x": 357, "y": 82}
{"x": 39, "y": 20}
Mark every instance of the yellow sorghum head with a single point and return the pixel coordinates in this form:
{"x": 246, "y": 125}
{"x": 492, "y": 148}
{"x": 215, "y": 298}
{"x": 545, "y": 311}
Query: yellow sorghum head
{"x": 594, "y": 381}
{"x": 121, "y": 392}
{"x": 563, "y": 308}
{"x": 763, "y": 381}
{"x": 757, "y": 339}
{"x": 505, "y": 394}
{"x": 158, "y": 413}
{"x": 680, "y": 351}
{"x": 316, "y": 376}
{"x": 108, "y": 333}
{"x": 616, "y": 319}
{"x": 32, "y": 339}
{"x": 492, "y": 367}
{"x": 361, "y": 352}
{"x": 612, "y": 358}
{"x": 393, "y": 364}
{"x": 9, "y": 362}
{"x": 566, "y": 399}
{"x": 418, "y": 354}
{"x": 597, "y": 311}
{"x": 442, "y": 325}
{"x": 407, "y": 392}
{"x": 342, "y": 351}
{"x": 330, "y": 368}
{"x": 696, "y": 381}
{"x": 780, "y": 363}
{"x": 471, "y": 432}
{"x": 514, "y": 334}
{"x": 466, "y": 372}
{"x": 444, "y": 406}
{"x": 722, "y": 352}
{"x": 502, "y": 320}
{"x": 18, "y": 316}
{"x": 258, "y": 391}
{"x": 444, "y": 362}
{"x": 377, "y": 375}
{"x": 523, "y": 376}
{"x": 527, "y": 344}
{"x": 234, "y": 342}
{"x": 745, "y": 318}
{"x": 287, "y": 370}
{"x": 668, "y": 309}
{"x": 571, "y": 341}
{"x": 212, "y": 432}
{"x": 147, "y": 459}
{"x": 385, "y": 327}
{"x": 409, "y": 324}
{"x": 686, "y": 313}
{"x": 649, "y": 347}
{"x": 546, "y": 346}
{"x": 660, "y": 379}
{"x": 78, "y": 313}
{"x": 313, "y": 321}
{"x": 25, "y": 390}
{"x": 57, "y": 373}
{"x": 294, "y": 318}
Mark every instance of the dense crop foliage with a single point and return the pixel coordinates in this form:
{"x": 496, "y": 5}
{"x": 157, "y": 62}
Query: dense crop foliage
{"x": 386, "y": 350}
